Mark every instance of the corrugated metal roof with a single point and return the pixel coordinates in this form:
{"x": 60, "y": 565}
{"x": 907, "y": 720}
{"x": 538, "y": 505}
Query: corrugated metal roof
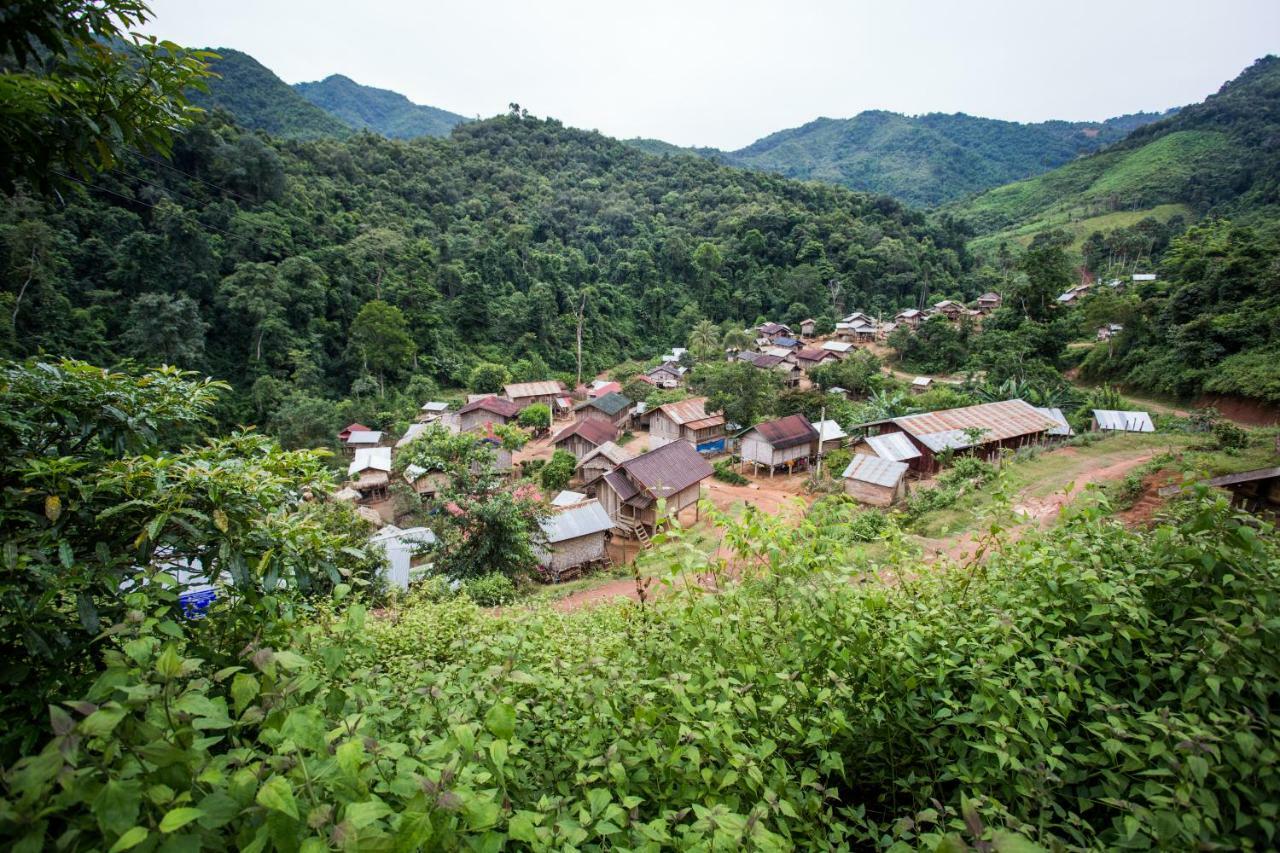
{"x": 829, "y": 430}
{"x": 545, "y": 388}
{"x": 837, "y": 346}
{"x": 767, "y": 361}
{"x": 364, "y": 437}
{"x": 419, "y": 535}
{"x": 411, "y": 433}
{"x": 922, "y": 381}
{"x": 874, "y": 470}
{"x": 615, "y": 454}
{"x": 581, "y": 520}
{"x": 493, "y": 404}
{"x": 671, "y": 468}
{"x": 568, "y": 498}
{"x": 684, "y": 411}
{"x": 787, "y": 432}
{"x": 706, "y": 423}
{"x": 370, "y": 458}
{"x": 814, "y": 354}
{"x": 1113, "y": 420}
{"x": 610, "y": 403}
{"x": 1062, "y": 428}
{"x": 998, "y": 421}
{"x": 593, "y": 430}
{"x": 434, "y": 406}
{"x": 784, "y": 341}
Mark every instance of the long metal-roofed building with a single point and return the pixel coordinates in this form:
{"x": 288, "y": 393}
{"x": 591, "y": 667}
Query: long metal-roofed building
{"x": 984, "y": 430}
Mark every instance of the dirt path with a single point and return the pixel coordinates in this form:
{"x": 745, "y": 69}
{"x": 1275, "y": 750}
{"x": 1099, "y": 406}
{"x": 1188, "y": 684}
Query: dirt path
{"x": 1036, "y": 510}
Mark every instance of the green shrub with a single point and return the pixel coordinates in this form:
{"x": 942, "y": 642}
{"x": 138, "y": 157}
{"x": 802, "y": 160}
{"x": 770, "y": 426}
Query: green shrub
{"x": 723, "y": 470}
{"x": 557, "y": 473}
{"x": 491, "y": 590}
{"x": 1228, "y": 436}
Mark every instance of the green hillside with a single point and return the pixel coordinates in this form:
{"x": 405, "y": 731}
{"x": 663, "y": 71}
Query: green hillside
{"x": 1217, "y": 157}
{"x": 260, "y": 100}
{"x": 379, "y": 110}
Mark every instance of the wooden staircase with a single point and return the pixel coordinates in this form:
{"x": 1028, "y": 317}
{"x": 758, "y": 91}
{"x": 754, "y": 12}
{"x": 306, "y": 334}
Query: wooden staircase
{"x": 633, "y": 530}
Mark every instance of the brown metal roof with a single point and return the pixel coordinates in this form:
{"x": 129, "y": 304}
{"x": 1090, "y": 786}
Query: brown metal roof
{"x": 768, "y": 361}
{"x": 684, "y": 411}
{"x": 593, "y": 430}
{"x": 547, "y": 388}
{"x": 494, "y": 404}
{"x": 706, "y": 423}
{"x": 787, "y": 432}
{"x": 814, "y": 354}
{"x": 999, "y": 421}
{"x": 671, "y": 468}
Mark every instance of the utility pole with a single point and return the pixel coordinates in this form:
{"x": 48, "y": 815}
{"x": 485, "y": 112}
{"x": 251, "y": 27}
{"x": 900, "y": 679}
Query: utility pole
{"x": 581, "y": 309}
{"x": 821, "y": 418}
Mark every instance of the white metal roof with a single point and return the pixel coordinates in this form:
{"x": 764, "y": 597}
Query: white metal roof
{"x": 411, "y": 433}
{"x": 581, "y": 520}
{"x": 364, "y": 437}
{"x": 390, "y": 533}
{"x": 1144, "y": 276}
{"x": 874, "y": 470}
{"x": 434, "y": 406}
{"x": 837, "y": 346}
{"x": 1063, "y": 428}
{"x": 1111, "y": 419}
{"x": 921, "y": 381}
{"x": 370, "y": 458}
{"x": 568, "y": 498}
{"x": 894, "y": 446}
{"x": 829, "y": 430}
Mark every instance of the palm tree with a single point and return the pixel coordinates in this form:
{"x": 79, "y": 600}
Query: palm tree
{"x": 704, "y": 339}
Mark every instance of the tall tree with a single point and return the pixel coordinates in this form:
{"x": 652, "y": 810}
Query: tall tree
{"x": 381, "y": 337}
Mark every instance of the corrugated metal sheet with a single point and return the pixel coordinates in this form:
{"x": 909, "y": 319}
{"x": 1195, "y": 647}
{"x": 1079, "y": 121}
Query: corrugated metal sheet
{"x": 615, "y": 454}
{"x": 610, "y": 403}
{"x": 1055, "y": 415}
{"x": 434, "y": 406}
{"x": 593, "y": 430}
{"x": 494, "y": 404}
{"x": 1113, "y": 420}
{"x": 371, "y": 459}
{"x": 671, "y": 468}
{"x": 874, "y": 470}
{"x": 568, "y": 498}
{"x": 411, "y": 433}
{"x": 837, "y": 346}
{"x": 894, "y": 446}
{"x": 582, "y": 520}
{"x": 546, "y": 388}
{"x": 706, "y": 423}
{"x": 684, "y": 411}
{"x": 922, "y": 381}
{"x": 766, "y": 360}
{"x": 787, "y": 432}
{"x": 829, "y": 431}
{"x": 364, "y": 437}
{"x": 998, "y": 421}
{"x": 620, "y": 483}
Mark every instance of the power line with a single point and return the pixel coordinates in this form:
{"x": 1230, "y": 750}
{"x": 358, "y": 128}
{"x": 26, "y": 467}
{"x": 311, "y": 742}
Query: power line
{"x": 174, "y": 168}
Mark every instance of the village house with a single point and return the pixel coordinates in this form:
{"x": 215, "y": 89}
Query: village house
{"x": 894, "y": 446}
{"x": 772, "y": 331}
{"x": 784, "y": 342}
{"x": 989, "y": 302}
{"x": 503, "y": 459}
{"x": 598, "y": 462}
{"x": 565, "y": 498}
{"x": 486, "y": 411}
{"x": 950, "y": 309}
{"x": 666, "y": 375}
{"x": 613, "y": 408}
{"x": 1256, "y": 491}
{"x": 809, "y": 358}
{"x": 414, "y": 431}
{"x": 350, "y": 428}
{"x": 1075, "y": 294}
{"x": 875, "y": 481}
{"x": 1139, "y": 277}
{"x": 675, "y": 355}
{"x": 630, "y": 493}
{"x": 983, "y": 430}
{"x": 426, "y": 483}
{"x": 525, "y": 394}
{"x": 807, "y": 326}
{"x": 911, "y": 316}
{"x": 402, "y": 550}
{"x": 839, "y": 348}
{"x": 575, "y": 539}
{"x": 859, "y": 331}
{"x": 369, "y": 473}
{"x": 358, "y": 439}
{"x": 600, "y": 387}
{"x": 1110, "y": 420}
{"x": 830, "y": 435}
{"x": 921, "y": 384}
{"x": 431, "y": 411}
{"x": 688, "y": 421}
{"x": 791, "y": 372}
{"x": 583, "y": 436}
{"x": 785, "y": 442}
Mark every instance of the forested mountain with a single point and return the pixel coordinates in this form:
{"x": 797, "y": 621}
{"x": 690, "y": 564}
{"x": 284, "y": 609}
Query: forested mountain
{"x": 260, "y": 100}
{"x": 379, "y": 110}
{"x": 251, "y": 259}
{"x": 923, "y": 160}
{"x": 1220, "y": 156}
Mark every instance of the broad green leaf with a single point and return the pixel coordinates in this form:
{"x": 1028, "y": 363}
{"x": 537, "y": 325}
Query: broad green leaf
{"x": 501, "y": 721}
{"x": 277, "y": 794}
{"x": 177, "y": 818}
{"x": 129, "y": 839}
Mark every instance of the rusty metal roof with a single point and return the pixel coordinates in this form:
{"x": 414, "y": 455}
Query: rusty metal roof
{"x": 593, "y": 430}
{"x": 999, "y": 421}
{"x": 671, "y": 468}
{"x": 684, "y": 411}
{"x": 547, "y": 388}
{"x": 706, "y": 423}
{"x": 874, "y": 470}
{"x": 610, "y": 403}
{"x": 787, "y": 432}
{"x": 493, "y": 404}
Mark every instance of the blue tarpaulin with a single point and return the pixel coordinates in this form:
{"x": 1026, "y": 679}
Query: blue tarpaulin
{"x": 716, "y": 446}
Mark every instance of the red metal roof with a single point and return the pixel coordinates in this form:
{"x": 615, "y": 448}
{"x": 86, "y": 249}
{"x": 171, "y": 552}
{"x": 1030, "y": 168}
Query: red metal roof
{"x": 671, "y": 468}
{"x": 494, "y": 404}
{"x": 787, "y": 432}
{"x": 593, "y": 430}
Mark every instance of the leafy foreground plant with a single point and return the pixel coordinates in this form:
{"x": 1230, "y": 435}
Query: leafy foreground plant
{"x": 1088, "y": 687}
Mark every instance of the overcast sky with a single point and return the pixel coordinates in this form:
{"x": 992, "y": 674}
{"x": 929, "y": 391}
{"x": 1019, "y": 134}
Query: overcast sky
{"x": 726, "y": 72}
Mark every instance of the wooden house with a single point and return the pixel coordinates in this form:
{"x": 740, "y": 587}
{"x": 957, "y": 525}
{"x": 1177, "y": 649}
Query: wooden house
{"x": 785, "y": 342}
{"x": 950, "y": 309}
{"x": 350, "y": 428}
{"x": 810, "y": 357}
{"x": 426, "y": 483}
{"x": 486, "y": 411}
{"x": 369, "y": 473}
{"x": 830, "y": 436}
{"x": 989, "y": 302}
{"x": 688, "y": 421}
{"x": 785, "y": 442}
{"x": 600, "y": 387}
{"x": 1256, "y": 491}
{"x": 583, "y": 436}
{"x": 893, "y": 446}
{"x": 575, "y": 538}
{"x": 838, "y": 348}
{"x": 807, "y": 326}
{"x": 669, "y": 374}
{"x": 612, "y": 408}
{"x": 598, "y": 462}
{"x": 875, "y": 481}
{"x": 921, "y": 384}
{"x": 911, "y": 316}
{"x": 525, "y": 394}
{"x": 630, "y": 493}
{"x": 773, "y": 331}
{"x": 363, "y": 439}
{"x": 983, "y": 430}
